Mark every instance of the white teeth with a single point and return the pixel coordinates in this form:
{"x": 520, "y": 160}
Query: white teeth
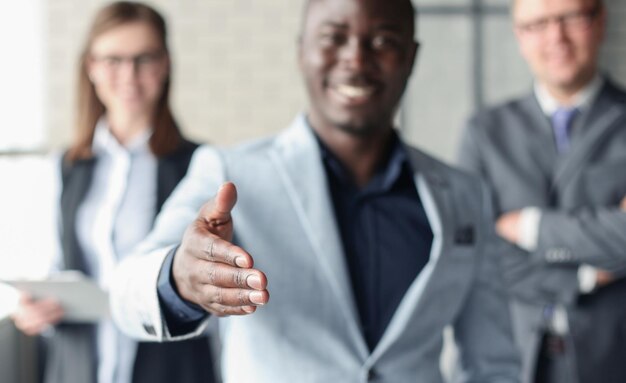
{"x": 354, "y": 91}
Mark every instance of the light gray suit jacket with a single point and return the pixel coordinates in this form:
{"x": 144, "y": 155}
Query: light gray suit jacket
{"x": 512, "y": 147}
{"x": 309, "y": 331}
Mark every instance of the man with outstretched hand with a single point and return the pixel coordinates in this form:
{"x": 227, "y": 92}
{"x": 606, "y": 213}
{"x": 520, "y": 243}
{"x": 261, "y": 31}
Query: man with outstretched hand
{"x": 370, "y": 248}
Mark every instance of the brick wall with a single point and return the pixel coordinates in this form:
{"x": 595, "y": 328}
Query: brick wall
{"x": 235, "y": 74}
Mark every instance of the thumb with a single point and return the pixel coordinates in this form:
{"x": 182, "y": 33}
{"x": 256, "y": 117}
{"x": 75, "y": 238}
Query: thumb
{"x": 225, "y": 199}
{"x": 217, "y": 211}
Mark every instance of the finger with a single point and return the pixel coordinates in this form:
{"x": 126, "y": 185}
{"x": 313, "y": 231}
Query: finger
{"x": 233, "y": 297}
{"x": 219, "y": 250}
{"x": 225, "y": 200}
{"x": 217, "y": 211}
{"x": 208, "y": 247}
{"x": 45, "y": 310}
{"x": 221, "y": 275}
{"x": 222, "y": 311}
{"x": 25, "y": 298}
{"x": 36, "y": 318}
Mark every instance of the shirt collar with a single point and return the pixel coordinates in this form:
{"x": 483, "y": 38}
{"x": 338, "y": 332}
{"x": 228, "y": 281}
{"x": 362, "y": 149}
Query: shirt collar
{"x": 388, "y": 173}
{"x": 105, "y": 142}
{"x": 582, "y": 100}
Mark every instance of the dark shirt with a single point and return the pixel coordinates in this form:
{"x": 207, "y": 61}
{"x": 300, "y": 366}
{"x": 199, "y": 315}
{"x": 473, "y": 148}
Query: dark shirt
{"x": 386, "y": 240}
{"x": 385, "y": 233}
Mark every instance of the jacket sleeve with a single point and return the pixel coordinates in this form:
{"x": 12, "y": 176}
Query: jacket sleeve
{"x": 593, "y": 236}
{"x": 134, "y": 299}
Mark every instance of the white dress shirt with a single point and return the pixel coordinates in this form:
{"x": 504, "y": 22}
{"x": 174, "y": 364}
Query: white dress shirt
{"x": 116, "y": 214}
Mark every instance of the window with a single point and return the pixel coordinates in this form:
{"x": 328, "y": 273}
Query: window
{"x": 468, "y": 58}
{"x": 25, "y": 205}
{"x": 21, "y": 76}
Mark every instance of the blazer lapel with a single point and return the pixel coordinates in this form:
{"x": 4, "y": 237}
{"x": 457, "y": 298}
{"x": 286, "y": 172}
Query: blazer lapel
{"x": 298, "y": 160}
{"x": 542, "y": 143}
{"x": 434, "y": 193}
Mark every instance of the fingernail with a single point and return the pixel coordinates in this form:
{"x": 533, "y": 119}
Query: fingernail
{"x": 249, "y": 309}
{"x": 254, "y": 281}
{"x": 241, "y": 262}
{"x": 257, "y": 297}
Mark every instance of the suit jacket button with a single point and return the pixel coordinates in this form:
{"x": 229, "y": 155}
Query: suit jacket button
{"x": 371, "y": 375}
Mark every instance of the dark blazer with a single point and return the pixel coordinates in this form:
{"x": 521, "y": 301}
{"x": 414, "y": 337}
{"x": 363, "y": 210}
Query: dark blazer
{"x": 70, "y": 353}
{"x": 512, "y": 147}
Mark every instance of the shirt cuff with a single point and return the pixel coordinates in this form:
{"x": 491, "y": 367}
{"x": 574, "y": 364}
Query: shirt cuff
{"x": 587, "y": 278}
{"x": 529, "y": 220}
{"x": 177, "y": 311}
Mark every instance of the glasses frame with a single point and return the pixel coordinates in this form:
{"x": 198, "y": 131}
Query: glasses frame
{"x": 145, "y": 62}
{"x": 575, "y": 20}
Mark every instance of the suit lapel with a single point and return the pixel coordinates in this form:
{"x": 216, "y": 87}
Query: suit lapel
{"x": 434, "y": 193}
{"x": 600, "y": 120}
{"x": 298, "y": 160}
{"x": 543, "y": 147}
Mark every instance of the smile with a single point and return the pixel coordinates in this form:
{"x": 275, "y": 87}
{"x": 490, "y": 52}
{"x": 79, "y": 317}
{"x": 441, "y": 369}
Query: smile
{"x": 354, "y": 94}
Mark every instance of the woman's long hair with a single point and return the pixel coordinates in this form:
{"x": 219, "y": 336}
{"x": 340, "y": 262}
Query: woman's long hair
{"x": 166, "y": 136}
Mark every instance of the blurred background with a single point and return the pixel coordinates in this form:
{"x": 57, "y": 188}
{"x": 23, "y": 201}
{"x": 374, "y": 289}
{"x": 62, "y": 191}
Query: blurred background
{"x": 234, "y": 78}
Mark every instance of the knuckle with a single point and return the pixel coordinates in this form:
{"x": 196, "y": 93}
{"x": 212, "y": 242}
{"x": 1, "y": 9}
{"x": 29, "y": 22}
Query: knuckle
{"x": 212, "y": 274}
{"x": 229, "y": 253}
{"x": 239, "y": 278}
{"x": 242, "y": 297}
{"x": 219, "y": 296}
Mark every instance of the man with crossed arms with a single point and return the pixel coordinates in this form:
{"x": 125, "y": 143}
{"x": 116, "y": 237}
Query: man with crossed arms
{"x": 555, "y": 160}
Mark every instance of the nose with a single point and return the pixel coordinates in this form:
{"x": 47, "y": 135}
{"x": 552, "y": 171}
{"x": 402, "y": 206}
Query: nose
{"x": 556, "y": 30}
{"x": 355, "y": 54}
{"x": 129, "y": 69}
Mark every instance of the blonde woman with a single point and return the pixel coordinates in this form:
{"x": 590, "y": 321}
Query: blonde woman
{"x": 127, "y": 156}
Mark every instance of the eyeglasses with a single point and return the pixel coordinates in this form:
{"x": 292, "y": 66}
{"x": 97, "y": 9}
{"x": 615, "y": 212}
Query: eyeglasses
{"x": 146, "y": 62}
{"x": 571, "y": 21}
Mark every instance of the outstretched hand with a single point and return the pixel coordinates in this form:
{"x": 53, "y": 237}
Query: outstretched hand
{"x": 212, "y": 272}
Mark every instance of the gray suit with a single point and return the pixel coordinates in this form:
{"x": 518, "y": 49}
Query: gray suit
{"x": 512, "y": 147}
{"x": 309, "y": 331}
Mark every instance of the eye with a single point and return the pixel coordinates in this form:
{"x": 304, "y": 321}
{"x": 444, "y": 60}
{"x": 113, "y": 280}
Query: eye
{"x": 383, "y": 41}
{"x": 576, "y": 18}
{"x": 535, "y": 26}
{"x": 332, "y": 38}
{"x": 111, "y": 61}
{"x": 146, "y": 58}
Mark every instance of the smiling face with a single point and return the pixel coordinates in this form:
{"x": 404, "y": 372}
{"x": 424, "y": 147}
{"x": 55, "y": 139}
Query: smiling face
{"x": 560, "y": 40}
{"x": 128, "y": 66}
{"x": 356, "y": 57}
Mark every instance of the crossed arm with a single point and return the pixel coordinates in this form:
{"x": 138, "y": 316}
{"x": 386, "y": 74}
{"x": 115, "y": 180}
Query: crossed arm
{"x": 595, "y": 237}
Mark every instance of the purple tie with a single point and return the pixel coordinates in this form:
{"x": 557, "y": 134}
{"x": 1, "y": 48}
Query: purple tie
{"x": 561, "y": 123}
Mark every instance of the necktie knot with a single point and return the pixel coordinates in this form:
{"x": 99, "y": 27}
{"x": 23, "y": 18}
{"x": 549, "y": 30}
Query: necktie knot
{"x": 561, "y": 123}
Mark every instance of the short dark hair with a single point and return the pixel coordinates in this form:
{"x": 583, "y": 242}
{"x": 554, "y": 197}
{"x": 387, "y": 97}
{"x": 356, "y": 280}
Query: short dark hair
{"x": 410, "y": 11}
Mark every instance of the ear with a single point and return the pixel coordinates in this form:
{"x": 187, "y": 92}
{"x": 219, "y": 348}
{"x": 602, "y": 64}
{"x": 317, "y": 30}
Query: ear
{"x": 167, "y": 67}
{"x": 602, "y": 21}
{"x": 410, "y": 57}
{"x": 89, "y": 69}
{"x": 413, "y": 54}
